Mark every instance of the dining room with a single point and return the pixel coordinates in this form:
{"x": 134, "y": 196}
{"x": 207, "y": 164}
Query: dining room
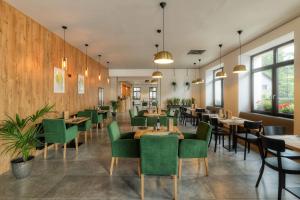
{"x": 149, "y": 99}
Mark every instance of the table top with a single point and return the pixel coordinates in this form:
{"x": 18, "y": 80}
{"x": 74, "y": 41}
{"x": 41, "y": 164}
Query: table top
{"x": 76, "y": 120}
{"x": 291, "y": 141}
{"x": 102, "y": 111}
{"x": 234, "y": 121}
{"x": 163, "y": 131}
{"x": 155, "y": 114}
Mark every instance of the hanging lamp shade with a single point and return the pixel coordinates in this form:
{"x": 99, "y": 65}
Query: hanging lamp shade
{"x": 64, "y": 60}
{"x": 239, "y": 68}
{"x": 194, "y": 82}
{"x": 199, "y": 81}
{"x": 163, "y": 57}
{"x": 157, "y": 74}
{"x": 221, "y": 74}
{"x": 153, "y": 81}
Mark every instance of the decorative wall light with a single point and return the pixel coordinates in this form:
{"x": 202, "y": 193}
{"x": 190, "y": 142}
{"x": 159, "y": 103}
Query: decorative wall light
{"x": 240, "y": 68}
{"x": 163, "y": 57}
{"x": 99, "y": 75}
{"x": 107, "y": 63}
{"x": 64, "y": 60}
{"x": 157, "y": 74}
{"x": 86, "y": 72}
{"x": 221, "y": 74}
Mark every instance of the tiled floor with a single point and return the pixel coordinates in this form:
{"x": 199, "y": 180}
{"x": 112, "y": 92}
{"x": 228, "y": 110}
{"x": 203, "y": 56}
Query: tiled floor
{"x": 86, "y": 176}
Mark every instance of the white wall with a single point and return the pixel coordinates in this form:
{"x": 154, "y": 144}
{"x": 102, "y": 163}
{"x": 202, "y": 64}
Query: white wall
{"x": 236, "y": 97}
{"x": 167, "y": 90}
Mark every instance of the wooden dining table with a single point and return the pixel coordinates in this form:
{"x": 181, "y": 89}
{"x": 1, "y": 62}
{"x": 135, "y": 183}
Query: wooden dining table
{"x": 162, "y": 131}
{"x": 291, "y": 141}
{"x": 162, "y": 114}
{"x": 76, "y": 120}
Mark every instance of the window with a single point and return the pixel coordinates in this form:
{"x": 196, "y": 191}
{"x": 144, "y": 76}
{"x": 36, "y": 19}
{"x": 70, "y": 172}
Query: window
{"x": 272, "y": 76}
{"x": 136, "y": 93}
{"x": 152, "y": 93}
{"x": 217, "y": 89}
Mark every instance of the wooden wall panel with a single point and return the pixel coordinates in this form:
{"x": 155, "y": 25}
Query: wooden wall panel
{"x": 28, "y": 55}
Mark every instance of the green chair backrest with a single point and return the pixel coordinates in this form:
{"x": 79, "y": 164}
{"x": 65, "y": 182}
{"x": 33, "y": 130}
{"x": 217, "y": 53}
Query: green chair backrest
{"x": 113, "y": 131}
{"x": 203, "y": 131}
{"x": 84, "y": 114}
{"x": 159, "y": 155}
{"x": 105, "y": 107}
{"x": 56, "y": 127}
{"x": 94, "y": 114}
{"x": 151, "y": 121}
{"x": 163, "y": 121}
{"x": 131, "y": 114}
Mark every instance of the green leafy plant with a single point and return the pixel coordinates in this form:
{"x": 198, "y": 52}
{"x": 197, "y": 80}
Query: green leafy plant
{"x": 176, "y": 101}
{"x": 114, "y": 105}
{"x": 19, "y": 134}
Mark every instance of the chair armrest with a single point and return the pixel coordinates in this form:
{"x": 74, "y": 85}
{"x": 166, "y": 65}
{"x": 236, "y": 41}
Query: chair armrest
{"x": 126, "y": 148}
{"x": 71, "y": 133}
{"x": 129, "y": 135}
{"x": 189, "y": 135}
{"x": 193, "y": 148}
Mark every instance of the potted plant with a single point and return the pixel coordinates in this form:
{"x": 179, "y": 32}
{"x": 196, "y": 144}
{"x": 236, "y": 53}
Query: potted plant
{"x": 19, "y": 136}
{"x": 187, "y": 85}
{"x": 114, "y": 105}
{"x": 174, "y": 85}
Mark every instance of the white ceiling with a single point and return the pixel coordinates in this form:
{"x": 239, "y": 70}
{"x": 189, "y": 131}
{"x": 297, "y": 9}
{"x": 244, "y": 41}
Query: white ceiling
{"x": 124, "y": 31}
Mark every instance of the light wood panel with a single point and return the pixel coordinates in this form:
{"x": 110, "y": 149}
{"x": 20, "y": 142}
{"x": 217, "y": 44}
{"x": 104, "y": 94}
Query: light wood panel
{"x": 28, "y": 55}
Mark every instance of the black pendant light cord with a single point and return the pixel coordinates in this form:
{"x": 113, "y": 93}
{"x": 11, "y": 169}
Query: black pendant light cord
{"x": 240, "y": 32}
{"x": 220, "y": 45}
{"x": 86, "y": 46}
{"x": 64, "y": 27}
{"x": 163, "y": 29}
{"x": 156, "y": 45}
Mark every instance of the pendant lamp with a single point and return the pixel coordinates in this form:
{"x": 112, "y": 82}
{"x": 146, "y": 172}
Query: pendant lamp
{"x": 99, "y": 75}
{"x": 221, "y": 74}
{"x": 64, "y": 61}
{"x": 86, "y": 72}
{"x": 240, "y": 68}
{"x": 194, "y": 82}
{"x": 163, "y": 57}
{"x": 157, "y": 74}
{"x": 107, "y": 63}
{"x": 199, "y": 80}
{"x": 154, "y": 81}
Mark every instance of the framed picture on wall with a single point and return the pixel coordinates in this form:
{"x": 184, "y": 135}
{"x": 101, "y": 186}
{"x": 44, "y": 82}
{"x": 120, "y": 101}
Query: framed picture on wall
{"x": 80, "y": 84}
{"x": 59, "y": 80}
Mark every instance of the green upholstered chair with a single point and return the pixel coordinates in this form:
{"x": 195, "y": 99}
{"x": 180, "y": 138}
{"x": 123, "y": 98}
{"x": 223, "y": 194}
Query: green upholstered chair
{"x": 159, "y": 157}
{"x": 87, "y": 125}
{"x": 96, "y": 118}
{"x": 122, "y": 145}
{"x": 55, "y": 131}
{"x": 195, "y": 145}
{"x": 151, "y": 121}
{"x": 106, "y": 108}
{"x": 136, "y": 120}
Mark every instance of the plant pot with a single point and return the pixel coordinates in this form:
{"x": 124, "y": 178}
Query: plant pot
{"x": 21, "y": 169}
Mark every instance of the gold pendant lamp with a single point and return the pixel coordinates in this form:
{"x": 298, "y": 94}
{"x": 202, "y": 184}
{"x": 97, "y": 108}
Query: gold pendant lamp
{"x": 221, "y": 74}
{"x": 64, "y": 61}
{"x": 157, "y": 74}
{"x": 163, "y": 57}
{"x": 99, "y": 75}
{"x": 86, "y": 72}
{"x": 240, "y": 68}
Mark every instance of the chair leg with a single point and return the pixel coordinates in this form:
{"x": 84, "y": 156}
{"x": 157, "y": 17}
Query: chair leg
{"x": 85, "y": 137}
{"x": 65, "y": 150}
{"x": 111, "y": 165}
{"x": 210, "y": 139}
{"x": 56, "y": 147}
{"x": 139, "y": 167}
{"x": 261, "y": 171}
{"x": 206, "y": 166}
{"x": 45, "y": 150}
{"x": 223, "y": 140}
{"x": 91, "y": 133}
{"x": 245, "y": 150}
{"x": 142, "y": 186}
{"x": 229, "y": 142}
{"x": 175, "y": 187}
{"x": 216, "y": 142}
{"x": 248, "y": 147}
{"x": 199, "y": 165}
{"x": 180, "y": 168}
{"x": 97, "y": 128}
{"x": 76, "y": 144}
{"x": 117, "y": 161}
{"x": 280, "y": 185}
